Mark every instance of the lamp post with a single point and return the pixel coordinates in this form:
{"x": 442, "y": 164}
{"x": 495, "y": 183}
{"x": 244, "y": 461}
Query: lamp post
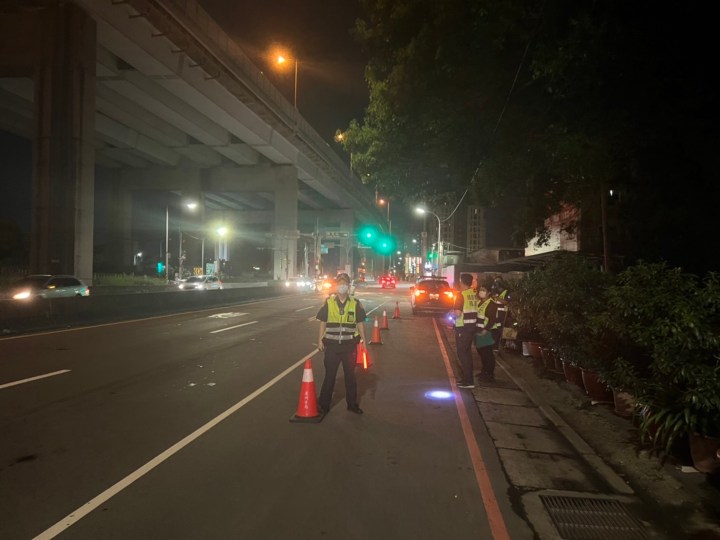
{"x": 439, "y": 249}
{"x": 281, "y": 60}
{"x": 386, "y": 202}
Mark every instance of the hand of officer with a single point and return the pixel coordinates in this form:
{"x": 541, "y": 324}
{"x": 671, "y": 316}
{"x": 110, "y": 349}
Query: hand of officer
{"x": 321, "y": 346}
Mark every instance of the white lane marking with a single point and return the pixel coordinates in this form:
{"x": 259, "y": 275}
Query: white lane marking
{"x": 15, "y": 383}
{"x": 233, "y": 327}
{"x": 79, "y": 513}
{"x": 303, "y": 309}
{"x": 376, "y": 307}
{"x": 130, "y": 321}
{"x": 313, "y": 318}
{"x": 227, "y": 315}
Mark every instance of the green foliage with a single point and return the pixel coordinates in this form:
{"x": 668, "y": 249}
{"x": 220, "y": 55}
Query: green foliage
{"x": 549, "y": 103}
{"x": 675, "y": 317}
{"x": 561, "y": 301}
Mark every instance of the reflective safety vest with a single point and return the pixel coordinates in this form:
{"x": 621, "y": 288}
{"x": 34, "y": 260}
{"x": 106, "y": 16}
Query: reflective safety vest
{"x": 341, "y": 326}
{"x": 469, "y": 316}
{"x": 501, "y": 310}
{"x": 483, "y": 319}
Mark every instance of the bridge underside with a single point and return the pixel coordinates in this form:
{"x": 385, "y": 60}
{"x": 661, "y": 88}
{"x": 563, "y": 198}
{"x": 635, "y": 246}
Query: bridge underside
{"x": 100, "y": 90}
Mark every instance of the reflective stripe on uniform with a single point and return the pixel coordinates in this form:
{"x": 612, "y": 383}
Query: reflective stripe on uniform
{"x": 341, "y": 327}
{"x": 469, "y": 309}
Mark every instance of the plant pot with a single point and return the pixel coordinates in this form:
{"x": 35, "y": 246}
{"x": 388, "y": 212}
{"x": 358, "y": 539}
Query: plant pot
{"x": 594, "y": 388}
{"x": 536, "y": 349}
{"x": 704, "y": 452}
{"x": 624, "y": 403}
{"x": 572, "y": 374}
{"x": 548, "y": 356}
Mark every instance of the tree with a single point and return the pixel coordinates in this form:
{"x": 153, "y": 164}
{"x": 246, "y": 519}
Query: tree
{"x": 551, "y": 101}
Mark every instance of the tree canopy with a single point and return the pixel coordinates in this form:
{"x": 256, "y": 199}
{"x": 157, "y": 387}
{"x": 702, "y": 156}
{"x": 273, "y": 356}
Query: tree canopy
{"x": 549, "y": 101}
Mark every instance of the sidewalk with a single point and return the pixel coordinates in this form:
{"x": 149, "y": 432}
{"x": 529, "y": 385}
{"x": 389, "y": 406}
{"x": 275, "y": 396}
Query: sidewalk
{"x": 575, "y": 468}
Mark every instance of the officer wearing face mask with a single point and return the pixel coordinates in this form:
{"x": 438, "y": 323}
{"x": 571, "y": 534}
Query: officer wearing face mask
{"x": 341, "y": 328}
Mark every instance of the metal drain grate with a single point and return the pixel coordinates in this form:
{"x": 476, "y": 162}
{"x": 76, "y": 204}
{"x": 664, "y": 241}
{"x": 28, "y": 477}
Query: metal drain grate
{"x": 586, "y": 518}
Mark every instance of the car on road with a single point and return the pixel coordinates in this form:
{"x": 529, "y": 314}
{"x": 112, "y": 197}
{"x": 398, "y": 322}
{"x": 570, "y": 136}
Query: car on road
{"x": 299, "y": 284}
{"x": 432, "y": 295}
{"x": 200, "y": 283}
{"x": 324, "y": 285}
{"x": 47, "y": 286}
{"x": 387, "y": 282}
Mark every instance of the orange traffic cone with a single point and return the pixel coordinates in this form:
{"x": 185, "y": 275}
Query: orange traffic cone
{"x": 376, "y": 339}
{"x": 363, "y": 360}
{"x": 397, "y": 311}
{"x": 307, "y": 409}
{"x": 384, "y": 322}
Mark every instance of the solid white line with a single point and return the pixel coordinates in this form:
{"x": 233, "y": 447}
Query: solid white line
{"x": 313, "y": 318}
{"x": 76, "y": 515}
{"x": 233, "y": 327}
{"x": 303, "y": 309}
{"x": 15, "y": 383}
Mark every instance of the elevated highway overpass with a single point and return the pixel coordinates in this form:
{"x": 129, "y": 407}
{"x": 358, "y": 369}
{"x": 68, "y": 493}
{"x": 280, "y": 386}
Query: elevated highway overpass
{"x": 154, "y": 95}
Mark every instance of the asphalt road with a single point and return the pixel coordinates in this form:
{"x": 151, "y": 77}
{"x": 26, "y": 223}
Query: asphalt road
{"x": 178, "y": 427}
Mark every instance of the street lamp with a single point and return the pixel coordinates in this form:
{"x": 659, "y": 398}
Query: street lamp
{"x": 386, "y": 202}
{"x": 282, "y": 60}
{"x": 420, "y": 210}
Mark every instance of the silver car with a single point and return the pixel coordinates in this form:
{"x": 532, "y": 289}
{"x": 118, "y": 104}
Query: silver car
{"x": 47, "y": 286}
{"x": 200, "y": 283}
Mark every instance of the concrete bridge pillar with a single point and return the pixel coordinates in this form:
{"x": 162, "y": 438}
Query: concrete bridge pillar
{"x": 56, "y": 46}
{"x": 285, "y": 225}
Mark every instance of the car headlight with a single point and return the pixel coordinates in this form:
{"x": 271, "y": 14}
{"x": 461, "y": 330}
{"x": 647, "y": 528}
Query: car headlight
{"x": 181, "y": 286}
{"x": 287, "y": 283}
{"x": 22, "y": 295}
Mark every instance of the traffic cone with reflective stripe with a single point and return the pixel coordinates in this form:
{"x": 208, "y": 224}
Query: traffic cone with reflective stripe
{"x": 384, "y": 321}
{"x": 307, "y": 409}
{"x": 397, "y": 311}
{"x": 376, "y": 339}
{"x": 363, "y": 359}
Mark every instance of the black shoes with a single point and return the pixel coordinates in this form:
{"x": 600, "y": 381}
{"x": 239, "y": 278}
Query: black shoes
{"x": 323, "y": 410}
{"x": 355, "y": 409}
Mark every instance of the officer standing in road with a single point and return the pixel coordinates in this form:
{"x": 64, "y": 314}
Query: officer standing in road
{"x": 501, "y": 297}
{"x": 341, "y": 329}
{"x": 465, "y": 319}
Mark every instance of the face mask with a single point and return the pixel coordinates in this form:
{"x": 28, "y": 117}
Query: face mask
{"x": 482, "y": 294}
{"x": 343, "y": 289}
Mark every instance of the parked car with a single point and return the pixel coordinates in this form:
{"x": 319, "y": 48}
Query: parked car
{"x": 432, "y": 294}
{"x": 200, "y": 283}
{"x": 299, "y": 283}
{"x": 324, "y": 285}
{"x": 387, "y": 282}
{"x": 47, "y": 286}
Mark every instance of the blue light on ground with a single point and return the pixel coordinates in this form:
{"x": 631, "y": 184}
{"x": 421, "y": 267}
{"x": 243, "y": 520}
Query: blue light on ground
{"x": 438, "y": 394}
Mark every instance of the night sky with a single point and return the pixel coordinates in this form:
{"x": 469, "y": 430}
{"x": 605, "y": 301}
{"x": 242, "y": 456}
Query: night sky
{"x": 331, "y": 87}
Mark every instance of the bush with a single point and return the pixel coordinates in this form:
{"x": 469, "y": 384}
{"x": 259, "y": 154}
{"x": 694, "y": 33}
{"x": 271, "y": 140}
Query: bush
{"x": 673, "y": 319}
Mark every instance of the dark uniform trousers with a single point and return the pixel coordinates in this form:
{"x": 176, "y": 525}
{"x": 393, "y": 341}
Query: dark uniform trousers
{"x": 334, "y": 356}
{"x": 464, "y": 336}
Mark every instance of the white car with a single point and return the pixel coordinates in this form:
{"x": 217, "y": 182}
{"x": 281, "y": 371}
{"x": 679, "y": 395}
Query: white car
{"x": 200, "y": 283}
{"x": 47, "y": 286}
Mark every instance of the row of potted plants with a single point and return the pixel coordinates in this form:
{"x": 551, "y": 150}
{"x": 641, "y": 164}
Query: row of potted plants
{"x": 651, "y": 332}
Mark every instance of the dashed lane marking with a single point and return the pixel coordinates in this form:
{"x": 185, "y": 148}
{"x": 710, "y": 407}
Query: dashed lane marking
{"x": 233, "y": 327}
{"x": 36, "y": 378}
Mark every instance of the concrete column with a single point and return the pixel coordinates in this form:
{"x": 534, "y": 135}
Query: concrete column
{"x": 64, "y": 154}
{"x": 119, "y": 208}
{"x": 285, "y": 228}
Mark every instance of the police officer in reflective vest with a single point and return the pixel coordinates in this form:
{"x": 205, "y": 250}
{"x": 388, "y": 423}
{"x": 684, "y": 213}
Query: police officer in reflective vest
{"x": 501, "y": 297}
{"x": 465, "y": 319}
{"x": 486, "y": 320}
{"x": 341, "y": 328}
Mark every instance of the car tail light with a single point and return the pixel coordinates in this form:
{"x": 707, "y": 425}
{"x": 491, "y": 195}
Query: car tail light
{"x": 450, "y": 294}
{"x": 418, "y": 292}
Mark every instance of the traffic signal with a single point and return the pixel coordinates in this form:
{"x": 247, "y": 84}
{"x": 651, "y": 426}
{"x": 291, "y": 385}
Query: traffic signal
{"x": 368, "y": 235}
{"x": 385, "y": 245}
{"x": 431, "y": 255}
{"x": 160, "y": 267}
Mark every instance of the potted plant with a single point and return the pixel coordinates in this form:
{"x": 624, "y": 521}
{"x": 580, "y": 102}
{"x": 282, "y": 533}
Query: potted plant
{"x": 675, "y": 317}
